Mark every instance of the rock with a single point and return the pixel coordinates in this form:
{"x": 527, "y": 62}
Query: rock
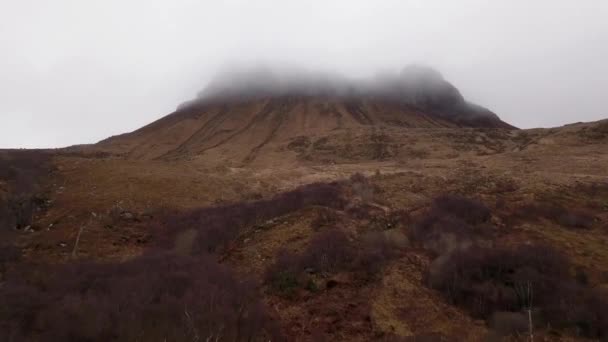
{"x": 127, "y": 216}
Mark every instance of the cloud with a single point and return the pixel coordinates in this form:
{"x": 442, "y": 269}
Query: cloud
{"x": 76, "y": 71}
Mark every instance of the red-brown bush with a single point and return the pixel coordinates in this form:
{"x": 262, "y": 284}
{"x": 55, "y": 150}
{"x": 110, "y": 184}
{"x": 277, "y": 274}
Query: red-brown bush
{"x": 151, "y": 298}
{"x": 487, "y": 280}
{"x": 329, "y": 252}
{"x": 484, "y": 279}
{"x": 469, "y": 210}
{"x": 325, "y": 219}
{"x": 452, "y": 222}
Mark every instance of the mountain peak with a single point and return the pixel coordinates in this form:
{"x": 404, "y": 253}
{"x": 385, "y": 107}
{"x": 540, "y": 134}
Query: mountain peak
{"x": 242, "y": 112}
{"x": 415, "y": 85}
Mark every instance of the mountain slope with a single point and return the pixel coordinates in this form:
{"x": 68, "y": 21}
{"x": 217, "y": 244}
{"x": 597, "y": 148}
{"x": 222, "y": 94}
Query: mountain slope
{"x": 242, "y": 115}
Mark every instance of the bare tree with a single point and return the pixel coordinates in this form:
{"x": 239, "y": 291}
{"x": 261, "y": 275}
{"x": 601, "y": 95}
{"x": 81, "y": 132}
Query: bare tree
{"x": 525, "y": 293}
{"x": 82, "y": 227}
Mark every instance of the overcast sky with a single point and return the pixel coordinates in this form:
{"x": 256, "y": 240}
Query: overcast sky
{"x": 77, "y": 71}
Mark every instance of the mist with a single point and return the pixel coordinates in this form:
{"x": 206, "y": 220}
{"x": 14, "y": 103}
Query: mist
{"x": 417, "y": 86}
{"x": 75, "y": 72}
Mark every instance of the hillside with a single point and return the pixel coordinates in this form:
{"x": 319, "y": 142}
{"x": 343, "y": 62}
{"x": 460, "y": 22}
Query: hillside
{"x": 242, "y": 116}
{"x": 260, "y": 211}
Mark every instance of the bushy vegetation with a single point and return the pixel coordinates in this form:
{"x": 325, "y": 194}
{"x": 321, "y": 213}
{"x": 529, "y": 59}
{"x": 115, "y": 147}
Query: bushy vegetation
{"x": 326, "y": 218}
{"x": 489, "y": 280}
{"x": 174, "y": 292}
{"x": 496, "y": 282}
{"x": 486, "y": 280}
{"x": 159, "y": 297}
{"x": 469, "y": 210}
{"x": 559, "y": 214}
{"x": 452, "y": 222}
{"x": 329, "y": 252}
{"x": 217, "y": 226}
{"x": 162, "y": 295}
{"x": 22, "y": 172}
{"x": 8, "y": 254}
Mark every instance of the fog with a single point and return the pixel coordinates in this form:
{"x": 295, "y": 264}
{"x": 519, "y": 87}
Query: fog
{"x": 76, "y": 72}
{"x": 258, "y": 81}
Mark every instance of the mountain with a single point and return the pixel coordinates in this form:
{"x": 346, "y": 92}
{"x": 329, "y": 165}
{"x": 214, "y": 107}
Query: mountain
{"x": 293, "y": 206}
{"x": 243, "y": 114}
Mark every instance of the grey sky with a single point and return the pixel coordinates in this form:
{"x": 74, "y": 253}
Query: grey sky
{"x": 74, "y": 71}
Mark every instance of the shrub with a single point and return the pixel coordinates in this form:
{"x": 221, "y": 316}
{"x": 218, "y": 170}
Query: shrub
{"x": 428, "y": 337}
{"x": 556, "y": 213}
{"x": 325, "y": 219}
{"x": 485, "y": 281}
{"x": 468, "y": 210}
{"x": 328, "y": 251}
{"x": 575, "y": 219}
{"x": 282, "y": 276}
{"x": 8, "y": 254}
{"x": 509, "y": 323}
{"x": 372, "y": 253}
{"x": 217, "y": 226}
{"x": 150, "y": 298}
{"x": 364, "y": 211}
{"x": 362, "y": 187}
{"x": 23, "y": 172}
{"x": 285, "y": 283}
{"x": 452, "y": 223}
{"x": 379, "y": 219}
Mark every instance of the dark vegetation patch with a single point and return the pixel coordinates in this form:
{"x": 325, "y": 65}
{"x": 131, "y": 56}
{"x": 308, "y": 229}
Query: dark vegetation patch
{"x": 381, "y": 146}
{"x": 597, "y": 132}
{"x": 566, "y": 217}
{"x": 594, "y": 195}
{"x": 388, "y": 220}
{"x": 326, "y": 218}
{"x": 22, "y": 176}
{"x": 453, "y": 222}
{"x": 329, "y": 252}
{"x": 8, "y": 254}
{"x": 489, "y": 280}
{"x": 158, "y": 297}
{"x": 498, "y": 282}
{"x": 216, "y": 227}
{"x": 430, "y": 337}
{"x": 176, "y": 291}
